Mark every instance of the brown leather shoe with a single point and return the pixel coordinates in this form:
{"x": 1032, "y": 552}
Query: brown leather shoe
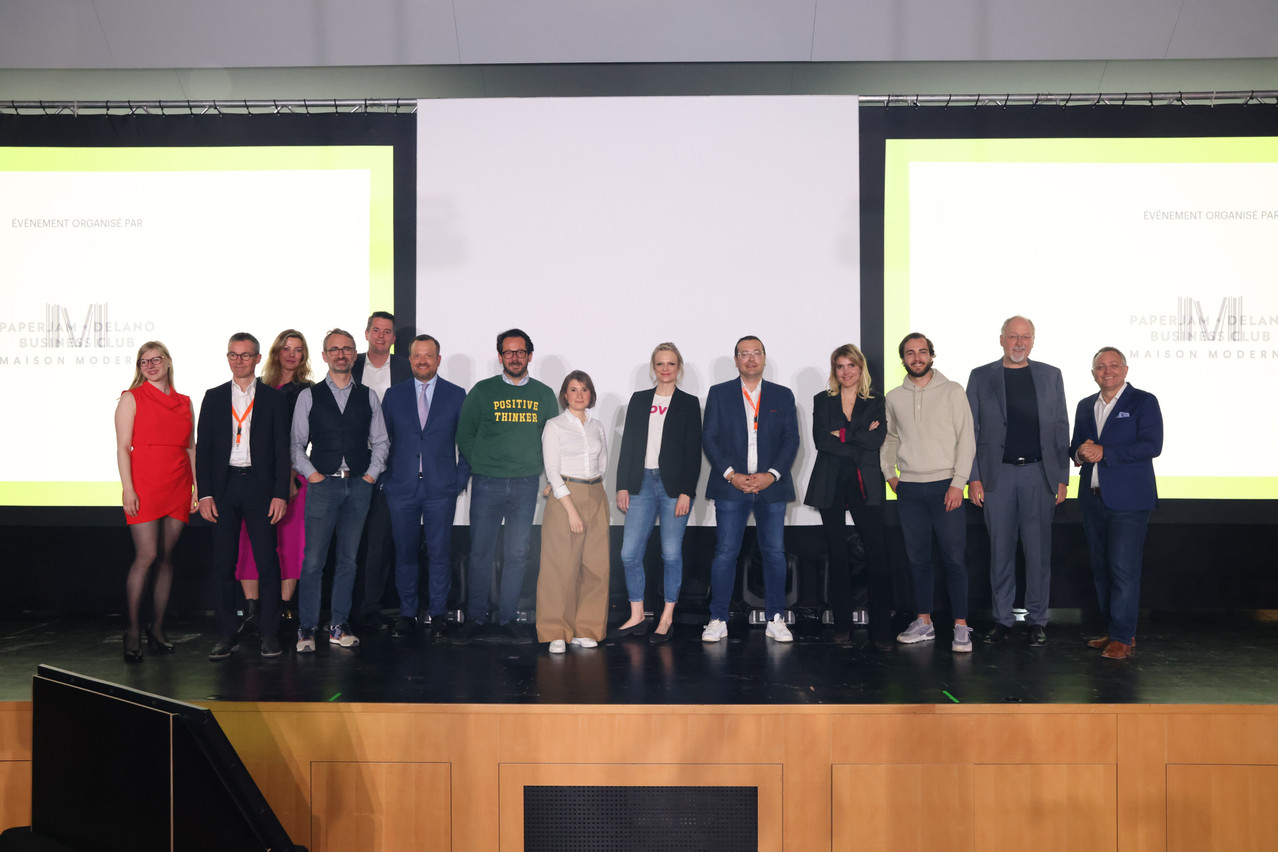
{"x": 1102, "y": 642}
{"x": 1117, "y": 651}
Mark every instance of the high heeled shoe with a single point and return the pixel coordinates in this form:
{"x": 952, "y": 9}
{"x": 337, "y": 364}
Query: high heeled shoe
{"x": 132, "y": 655}
{"x": 155, "y": 643}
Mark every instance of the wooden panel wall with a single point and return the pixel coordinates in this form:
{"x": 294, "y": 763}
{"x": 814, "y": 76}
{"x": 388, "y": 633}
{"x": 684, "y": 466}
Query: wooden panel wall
{"x": 388, "y": 777}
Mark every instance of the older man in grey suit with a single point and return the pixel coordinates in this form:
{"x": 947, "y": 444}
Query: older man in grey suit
{"x": 1021, "y": 471}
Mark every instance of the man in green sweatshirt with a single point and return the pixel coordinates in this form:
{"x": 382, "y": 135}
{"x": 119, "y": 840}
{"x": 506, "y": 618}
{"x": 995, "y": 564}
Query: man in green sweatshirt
{"x": 499, "y": 434}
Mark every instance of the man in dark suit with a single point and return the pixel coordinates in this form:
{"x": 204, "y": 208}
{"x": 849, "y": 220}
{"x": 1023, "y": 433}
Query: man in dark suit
{"x": 422, "y": 480}
{"x": 242, "y": 470}
{"x": 378, "y": 369}
{"x": 751, "y": 437}
{"x": 1117, "y": 435}
{"x": 1021, "y": 471}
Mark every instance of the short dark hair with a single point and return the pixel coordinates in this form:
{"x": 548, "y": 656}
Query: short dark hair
{"x": 245, "y": 337}
{"x": 425, "y": 338}
{"x": 1104, "y": 349}
{"x": 914, "y": 335}
{"x": 577, "y": 376}
{"x": 749, "y": 337}
{"x": 386, "y": 315}
{"x": 515, "y": 332}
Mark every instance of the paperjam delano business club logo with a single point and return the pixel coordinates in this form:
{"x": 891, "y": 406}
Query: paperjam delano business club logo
{"x": 71, "y": 335}
{"x": 1198, "y": 329}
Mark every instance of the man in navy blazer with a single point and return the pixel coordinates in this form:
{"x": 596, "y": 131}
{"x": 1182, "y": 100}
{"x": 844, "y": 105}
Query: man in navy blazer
{"x": 1020, "y": 473}
{"x": 242, "y": 469}
{"x": 750, "y": 437}
{"x": 1117, "y": 435}
{"x": 378, "y": 369}
{"x": 423, "y": 478}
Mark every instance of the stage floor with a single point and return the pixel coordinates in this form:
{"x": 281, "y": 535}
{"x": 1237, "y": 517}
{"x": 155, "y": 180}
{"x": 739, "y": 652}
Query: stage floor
{"x": 1180, "y": 660}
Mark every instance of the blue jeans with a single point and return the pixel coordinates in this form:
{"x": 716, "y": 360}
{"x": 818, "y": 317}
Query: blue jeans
{"x": 492, "y": 499}
{"x": 730, "y": 524}
{"x": 921, "y": 508}
{"x": 1116, "y": 543}
{"x": 650, "y": 503}
{"x": 340, "y": 504}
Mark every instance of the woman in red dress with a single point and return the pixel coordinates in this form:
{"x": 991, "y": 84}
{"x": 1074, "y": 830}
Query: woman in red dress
{"x": 288, "y": 369}
{"x": 155, "y": 450}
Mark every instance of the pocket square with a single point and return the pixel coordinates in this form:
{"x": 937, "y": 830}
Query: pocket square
{"x": 1123, "y": 414}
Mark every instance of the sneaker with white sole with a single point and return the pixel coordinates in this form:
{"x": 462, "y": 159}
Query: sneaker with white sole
{"x": 340, "y": 634}
{"x": 918, "y": 631}
{"x": 717, "y": 629}
{"x": 778, "y": 631}
{"x": 962, "y": 643}
{"x": 306, "y": 640}
{"x": 583, "y": 642}
{"x": 558, "y": 646}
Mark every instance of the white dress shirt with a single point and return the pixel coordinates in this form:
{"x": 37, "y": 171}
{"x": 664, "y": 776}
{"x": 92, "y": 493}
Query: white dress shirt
{"x": 572, "y": 448}
{"x": 240, "y": 402}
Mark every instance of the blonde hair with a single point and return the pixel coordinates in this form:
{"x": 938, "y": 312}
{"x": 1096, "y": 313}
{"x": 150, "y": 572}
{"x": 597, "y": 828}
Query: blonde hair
{"x": 138, "y": 378}
{"x": 665, "y": 347}
{"x": 853, "y": 354}
{"x": 274, "y": 370}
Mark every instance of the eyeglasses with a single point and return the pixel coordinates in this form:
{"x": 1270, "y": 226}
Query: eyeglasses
{"x": 151, "y": 362}
{"x": 753, "y": 353}
{"x": 240, "y": 356}
{"x": 1017, "y": 338}
{"x": 514, "y": 353}
{"x": 340, "y": 350}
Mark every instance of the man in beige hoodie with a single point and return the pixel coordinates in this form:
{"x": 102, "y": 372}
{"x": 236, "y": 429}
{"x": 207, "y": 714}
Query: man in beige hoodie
{"x": 926, "y": 459}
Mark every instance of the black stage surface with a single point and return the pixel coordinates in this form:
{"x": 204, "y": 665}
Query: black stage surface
{"x": 1201, "y": 659}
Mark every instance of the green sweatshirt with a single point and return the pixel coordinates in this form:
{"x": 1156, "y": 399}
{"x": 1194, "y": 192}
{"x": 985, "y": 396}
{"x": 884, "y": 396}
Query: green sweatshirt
{"x": 499, "y": 431}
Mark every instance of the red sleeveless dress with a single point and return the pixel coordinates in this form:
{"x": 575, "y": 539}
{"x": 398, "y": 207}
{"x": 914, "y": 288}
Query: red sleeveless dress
{"x": 161, "y": 465}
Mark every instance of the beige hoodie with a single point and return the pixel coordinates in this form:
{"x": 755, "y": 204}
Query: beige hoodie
{"x": 929, "y": 432}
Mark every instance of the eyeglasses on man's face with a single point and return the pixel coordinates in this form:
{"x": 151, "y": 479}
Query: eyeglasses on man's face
{"x": 240, "y": 356}
{"x": 340, "y": 350}
{"x": 514, "y": 353}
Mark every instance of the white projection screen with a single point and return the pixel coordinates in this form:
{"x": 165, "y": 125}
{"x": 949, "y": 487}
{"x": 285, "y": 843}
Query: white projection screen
{"x": 603, "y": 227}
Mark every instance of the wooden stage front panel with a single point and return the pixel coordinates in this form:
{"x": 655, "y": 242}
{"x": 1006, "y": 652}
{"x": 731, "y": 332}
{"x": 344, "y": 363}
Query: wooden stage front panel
{"x": 1052, "y": 777}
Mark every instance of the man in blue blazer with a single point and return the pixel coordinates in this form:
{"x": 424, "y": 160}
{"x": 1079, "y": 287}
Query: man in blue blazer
{"x": 1021, "y": 471}
{"x": 423, "y": 478}
{"x": 242, "y": 470}
{"x": 750, "y": 437}
{"x": 1117, "y": 435}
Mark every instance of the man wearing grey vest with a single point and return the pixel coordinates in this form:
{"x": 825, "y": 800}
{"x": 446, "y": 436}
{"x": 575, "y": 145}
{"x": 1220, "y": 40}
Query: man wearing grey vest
{"x": 342, "y": 422}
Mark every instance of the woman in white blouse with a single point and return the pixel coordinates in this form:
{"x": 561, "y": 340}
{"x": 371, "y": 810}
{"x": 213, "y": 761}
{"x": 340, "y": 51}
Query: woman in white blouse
{"x": 572, "y": 587}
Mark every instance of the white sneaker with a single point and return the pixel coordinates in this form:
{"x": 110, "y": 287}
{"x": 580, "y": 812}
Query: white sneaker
{"x": 583, "y": 642}
{"x": 962, "y": 643}
{"x": 558, "y": 646}
{"x": 918, "y": 631}
{"x": 778, "y": 631}
{"x": 717, "y": 629}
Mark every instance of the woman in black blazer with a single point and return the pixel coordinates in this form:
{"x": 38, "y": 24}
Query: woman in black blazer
{"x": 848, "y": 427}
{"x": 656, "y": 477}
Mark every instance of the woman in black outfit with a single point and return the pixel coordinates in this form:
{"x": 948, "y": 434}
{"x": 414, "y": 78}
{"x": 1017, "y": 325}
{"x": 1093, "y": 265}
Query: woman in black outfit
{"x": 848, "y": 427}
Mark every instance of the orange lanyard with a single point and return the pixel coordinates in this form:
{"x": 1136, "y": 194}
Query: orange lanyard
{"x": 754, "y": 405}
{"x": 239, "y": 420}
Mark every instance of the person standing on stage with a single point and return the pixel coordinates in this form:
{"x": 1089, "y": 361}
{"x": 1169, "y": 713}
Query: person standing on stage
{"x": 1021, "y": 472}
{"x": 155, "y": 452}
{"x": 1118, "y": 433}
{"x": 422, "y": 481}
{"x": 342, "y": 423}
{"x": 499, "y": 435}
{"x": 242, "y": 467}
{"x": 377, "y": 369}
{"x": 848, "y": 427}
{"x": 572, "y": 586}
{"x": 288, "y": 370}
{"x": 751, "y": 437}
{"x": 657, "y": 475}
{"x": 926, "y": 458}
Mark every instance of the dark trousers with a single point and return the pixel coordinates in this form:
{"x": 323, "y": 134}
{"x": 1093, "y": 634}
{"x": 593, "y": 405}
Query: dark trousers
{"x": 1116, "y": 544}
{"x": 869, "y": 525}
{"x": 243, "y": 503}
{"x": 379, "y": 553}
{"x": 921, "y": 508}
{"x": 410, "y": 516}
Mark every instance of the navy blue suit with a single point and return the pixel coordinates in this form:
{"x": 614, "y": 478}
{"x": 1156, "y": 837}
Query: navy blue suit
{"x": 424, "y": 475}
{"x": 1116, "y": 514}
{"x": 725, "y": 439}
